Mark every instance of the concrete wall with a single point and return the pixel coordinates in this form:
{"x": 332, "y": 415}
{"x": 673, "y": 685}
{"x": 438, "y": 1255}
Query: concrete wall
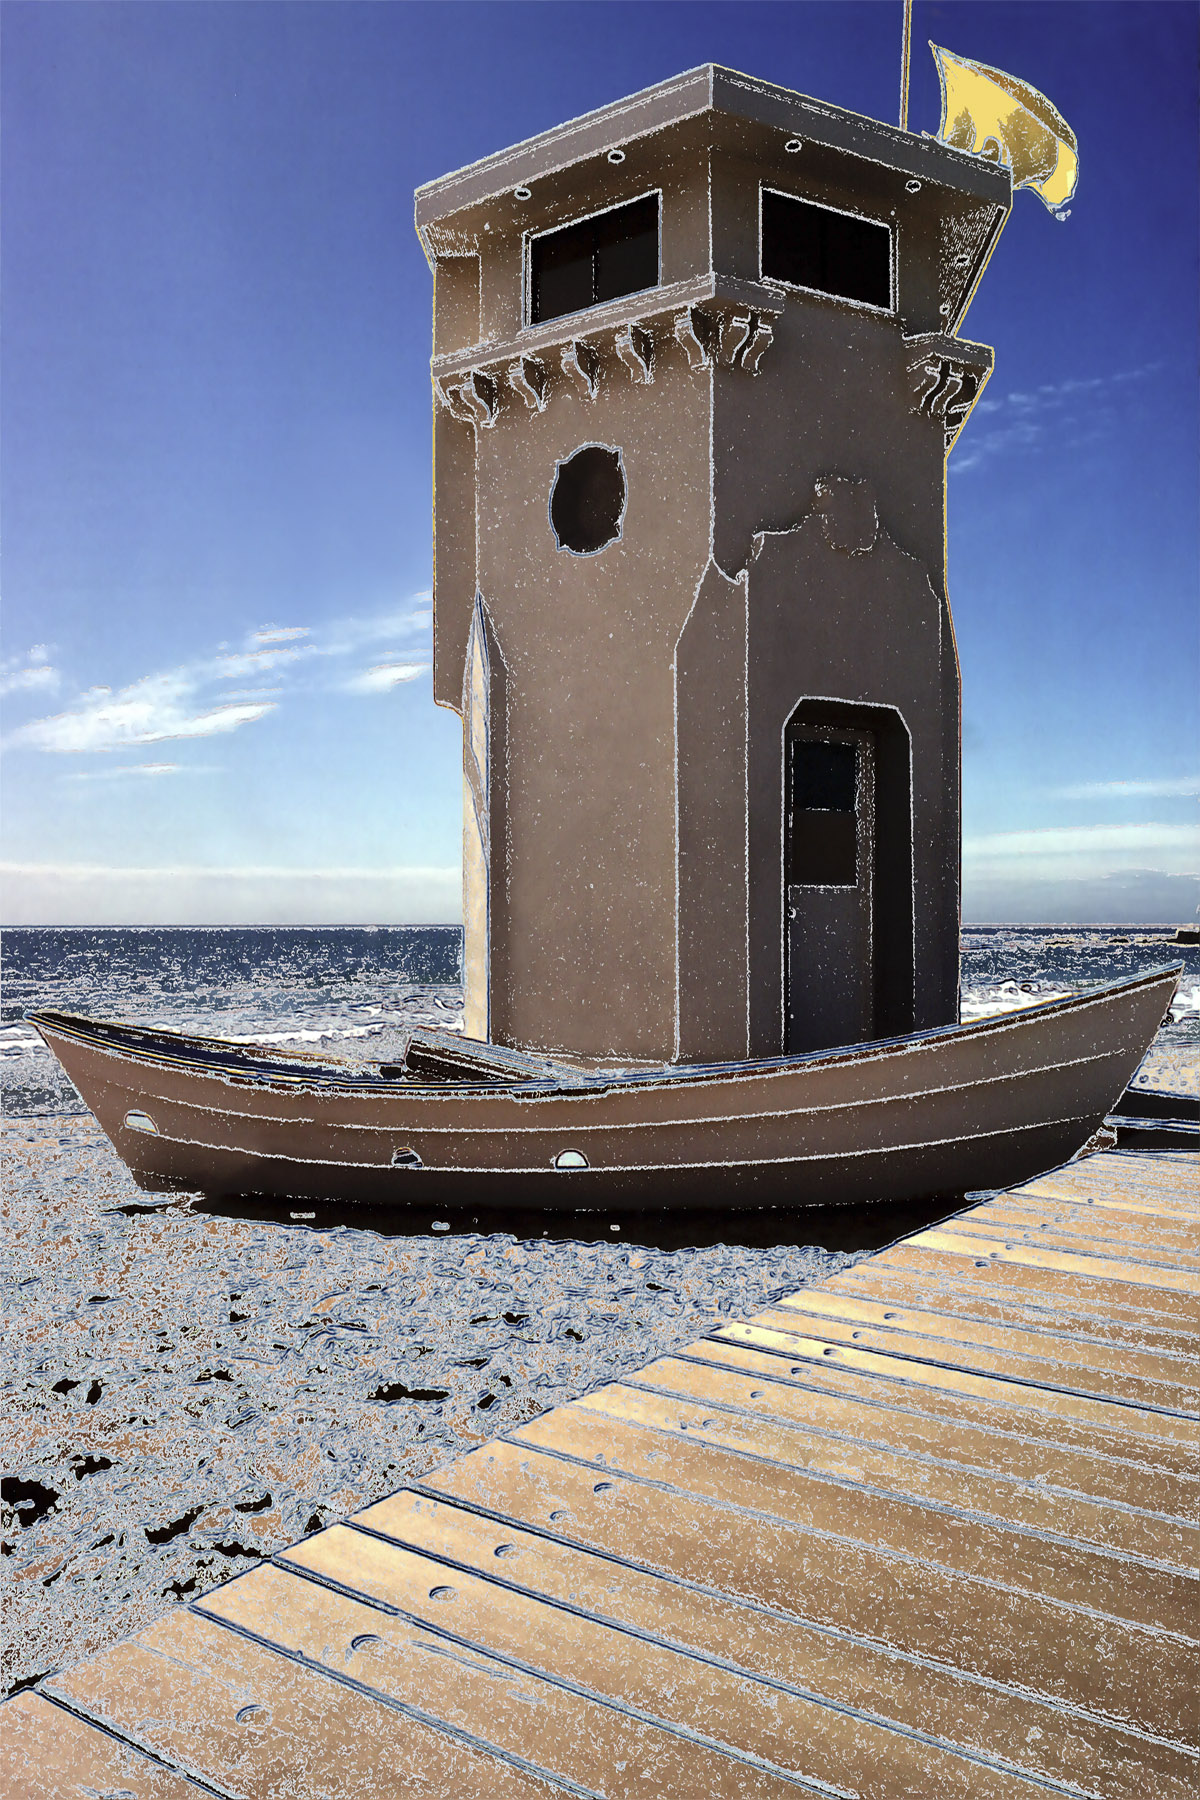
{"x": 583, "y": 826}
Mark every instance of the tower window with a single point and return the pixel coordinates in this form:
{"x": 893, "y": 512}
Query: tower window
{"x": 812, "y": 246}
{"x": 822, "y": 822}
{"x": 597, "y": 259}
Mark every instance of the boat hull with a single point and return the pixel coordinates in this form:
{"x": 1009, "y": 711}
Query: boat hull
{"x": 944, "y": 1112}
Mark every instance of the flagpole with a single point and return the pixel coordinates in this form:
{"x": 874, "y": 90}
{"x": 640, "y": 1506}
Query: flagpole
{"x": 908, "y": 5}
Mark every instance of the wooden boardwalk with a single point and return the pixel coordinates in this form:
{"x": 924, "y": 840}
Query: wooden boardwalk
{"x": 931, "y": 1528}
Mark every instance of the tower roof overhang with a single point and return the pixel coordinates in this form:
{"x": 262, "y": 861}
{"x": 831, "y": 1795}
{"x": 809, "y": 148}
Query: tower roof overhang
{"x": 706, "y": 108}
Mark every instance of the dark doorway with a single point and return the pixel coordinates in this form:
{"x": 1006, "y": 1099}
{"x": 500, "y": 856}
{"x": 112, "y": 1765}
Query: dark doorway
{"x": 830, "y": 867}
{"x": 847, "y": 872}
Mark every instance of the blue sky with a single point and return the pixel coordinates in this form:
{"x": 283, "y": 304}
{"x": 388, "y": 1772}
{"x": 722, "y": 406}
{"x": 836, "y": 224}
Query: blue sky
{"x": 216, "y": 482}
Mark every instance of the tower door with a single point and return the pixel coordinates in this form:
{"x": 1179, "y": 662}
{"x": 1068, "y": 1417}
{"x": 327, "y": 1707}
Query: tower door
{"x": 829, "y": 878}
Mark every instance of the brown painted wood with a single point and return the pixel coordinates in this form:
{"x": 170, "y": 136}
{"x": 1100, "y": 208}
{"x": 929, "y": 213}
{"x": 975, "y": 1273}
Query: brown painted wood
{"x": 48, "y": 1754}
{"x": 1133, "y": 1676}
{"x": 741, "y": 1423}
{"x": 457, "y": 1679}
{"x": 1008, "y": 1726}
{"x": 215, "y": 1705}
{"x": 1021, "y": 1359}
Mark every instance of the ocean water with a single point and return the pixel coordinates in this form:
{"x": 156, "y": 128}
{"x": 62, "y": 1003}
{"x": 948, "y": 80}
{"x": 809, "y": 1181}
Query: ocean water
{"x": 356, "y": 991}
{"x": 189, "y": 1390}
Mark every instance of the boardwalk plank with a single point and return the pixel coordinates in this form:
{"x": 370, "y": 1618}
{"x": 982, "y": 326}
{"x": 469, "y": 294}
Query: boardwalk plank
{"x": 889, "y": 1415}
{"x": 1021, "y": 1360}
{"x": 1074, "y": 1313}
{"x": 457, "y": 1678}
{"x": 1173, "y": 1437}
{"x": 963, "y": 1259}
{"x": 928, "y": 1528}
{"x": 1067, "y": 1573}
{"x": 1122, "y": 1362}
{"x": 48, "y": 1754}
{"x": 1165, "y": 1183}
{"x": 1083, "y": 1220}
{"x": 259, "y": 1727}
{"x": 1132, "y": 1676}
{"x": 1025, "y": 1503}
{"x": 946, "y": 1704}
{"x": 1184, "y": 1282}
{"x": 1035, "y": 1231}
{"x": 620, "y": 1754}
{"x": 1115, "y": 1202}
{"x": 1168, "y": 1482}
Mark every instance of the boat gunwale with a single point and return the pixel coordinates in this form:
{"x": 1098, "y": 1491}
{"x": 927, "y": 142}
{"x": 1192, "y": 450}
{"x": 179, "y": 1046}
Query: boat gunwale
{"x": 798, "y": 1110}
{"x": 327, "y": 1075}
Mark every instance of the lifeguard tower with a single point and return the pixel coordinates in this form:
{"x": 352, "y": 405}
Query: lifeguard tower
{"x": 696, "y": 375}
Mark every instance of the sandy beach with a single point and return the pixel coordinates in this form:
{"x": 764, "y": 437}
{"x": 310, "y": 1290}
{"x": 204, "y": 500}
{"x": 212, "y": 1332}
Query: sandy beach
{"x": 190, "y": 1392}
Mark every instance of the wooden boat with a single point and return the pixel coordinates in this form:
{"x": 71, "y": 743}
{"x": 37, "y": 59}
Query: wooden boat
{"x": 941, "y": 1112}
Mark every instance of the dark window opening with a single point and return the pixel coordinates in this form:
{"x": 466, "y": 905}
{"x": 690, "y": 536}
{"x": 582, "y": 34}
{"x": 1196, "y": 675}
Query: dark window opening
{"x": 814, "y": 247}
{"x": 598, "y": 259}
{"x": 822, "y": 817}
{"x": 587, "y": 501}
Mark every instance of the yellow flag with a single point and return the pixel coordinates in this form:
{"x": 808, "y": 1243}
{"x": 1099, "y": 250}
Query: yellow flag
{"x": 995, "y": 115}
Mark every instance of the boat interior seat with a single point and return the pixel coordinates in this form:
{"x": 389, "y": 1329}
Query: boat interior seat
{"x": 433, "y": 1055}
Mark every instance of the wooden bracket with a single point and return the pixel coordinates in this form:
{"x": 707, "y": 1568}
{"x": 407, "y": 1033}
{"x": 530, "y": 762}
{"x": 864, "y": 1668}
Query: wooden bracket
{"x": 581, "y": 364}
{"x": 635, "y": 347}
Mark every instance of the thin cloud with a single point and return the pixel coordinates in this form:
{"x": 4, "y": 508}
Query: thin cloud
{"x": 240, "y": 872}
{"x": 277, "y": 634}
{"x": 1073, "y": 840}
{"x": 384, "y": 676}
{"x": 142, "y": 771}
{"x": 237, "y": 666}
{"x": 188, "y": 701}
{"x": 1077, "y": 410}
{"x": 1166, "y": 788}
{"x": 150, "y": 711}
{"x": 31, "y": 673}
{"x": 1078, "y": 852}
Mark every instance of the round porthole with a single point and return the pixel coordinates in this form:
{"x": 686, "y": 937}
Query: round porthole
{"x": 587, "y": 500}
{"x": 522, "y": 193}
{"x": 616, "y": 156}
